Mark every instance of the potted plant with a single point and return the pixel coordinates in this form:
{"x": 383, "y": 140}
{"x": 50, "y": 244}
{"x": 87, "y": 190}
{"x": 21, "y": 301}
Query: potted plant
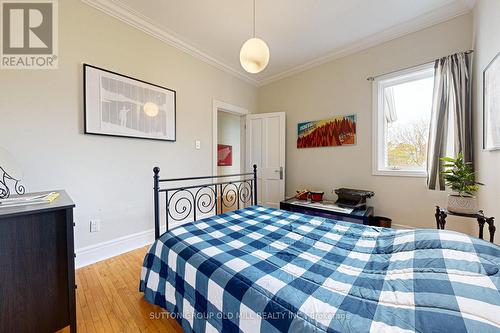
{"x": 460, "y": 177}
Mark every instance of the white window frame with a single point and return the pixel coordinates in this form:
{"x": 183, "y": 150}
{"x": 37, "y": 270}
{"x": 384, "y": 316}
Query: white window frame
{"x": 378, "y": 119}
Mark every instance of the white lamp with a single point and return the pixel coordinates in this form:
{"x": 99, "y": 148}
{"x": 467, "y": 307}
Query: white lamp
{"x": 151, "y": 109}
{"x": 254, "y": 54}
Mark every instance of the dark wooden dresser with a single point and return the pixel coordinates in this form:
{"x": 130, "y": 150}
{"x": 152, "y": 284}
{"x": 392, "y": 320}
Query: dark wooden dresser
{"x": 37, "y": 267}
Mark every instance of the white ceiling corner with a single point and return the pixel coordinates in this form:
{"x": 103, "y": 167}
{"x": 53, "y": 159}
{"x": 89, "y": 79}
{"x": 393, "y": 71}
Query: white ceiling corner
{"x": 419, "y": 23}
{"x": 126, "y": 14}
{"x": 470, "y": 3}
{"x": 298, "y": 32}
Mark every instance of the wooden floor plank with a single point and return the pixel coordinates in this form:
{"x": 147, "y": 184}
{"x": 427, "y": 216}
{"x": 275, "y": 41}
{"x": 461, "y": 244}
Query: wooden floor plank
{"x": 86, "y": 303}
{"x": 108, "y": 298}
{"x": 103, "y": 303}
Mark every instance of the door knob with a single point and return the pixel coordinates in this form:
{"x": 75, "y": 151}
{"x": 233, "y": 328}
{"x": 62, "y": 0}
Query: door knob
{"x": 280, "y": 170}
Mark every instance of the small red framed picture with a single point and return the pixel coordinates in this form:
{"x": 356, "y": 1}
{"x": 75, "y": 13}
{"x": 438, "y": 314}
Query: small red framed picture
{"x": 224, "y": 155}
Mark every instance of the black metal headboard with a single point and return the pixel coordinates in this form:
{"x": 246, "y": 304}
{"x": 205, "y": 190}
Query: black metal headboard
{"x": 191, "y": 201}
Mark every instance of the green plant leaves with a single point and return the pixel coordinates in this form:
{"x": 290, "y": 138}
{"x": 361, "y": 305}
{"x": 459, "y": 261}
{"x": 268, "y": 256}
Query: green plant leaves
{"x": 459, "y": 175}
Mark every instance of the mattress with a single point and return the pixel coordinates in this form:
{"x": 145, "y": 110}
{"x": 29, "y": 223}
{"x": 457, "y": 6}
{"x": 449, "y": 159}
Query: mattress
{"x": 261, "y": 269}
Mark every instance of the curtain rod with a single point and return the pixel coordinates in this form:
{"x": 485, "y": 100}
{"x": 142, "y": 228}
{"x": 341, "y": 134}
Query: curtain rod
{"x": 371, "y": 78}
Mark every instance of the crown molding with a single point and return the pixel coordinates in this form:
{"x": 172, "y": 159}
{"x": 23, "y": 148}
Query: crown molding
{"x": 470, "y": 3}
{"x": 137, "y": 20}
{"x": 422, "y": 22}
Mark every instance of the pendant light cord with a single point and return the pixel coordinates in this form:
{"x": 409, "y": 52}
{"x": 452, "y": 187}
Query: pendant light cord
{"x": 254, "y": 18}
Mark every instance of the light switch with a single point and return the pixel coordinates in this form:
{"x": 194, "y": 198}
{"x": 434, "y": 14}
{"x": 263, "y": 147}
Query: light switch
{"x": 197, "y": 144}
{"x": 95, "y": 225}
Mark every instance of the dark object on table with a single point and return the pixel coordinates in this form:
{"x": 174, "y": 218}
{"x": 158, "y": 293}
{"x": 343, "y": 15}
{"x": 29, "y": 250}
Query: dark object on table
{"x": 37, "y": 260}
{"x": 5, "y": 191}
{"x": 358, "y": 215}
{"x": 352, "y": 198}
{"x": 316, "y": 196}
{"x": 380, "y": 221}
{"x": 442, "y": 213}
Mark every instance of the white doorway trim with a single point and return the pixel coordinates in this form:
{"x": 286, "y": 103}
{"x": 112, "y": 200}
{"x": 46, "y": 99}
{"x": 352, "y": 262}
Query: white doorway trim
{"x": 225, "y": 107}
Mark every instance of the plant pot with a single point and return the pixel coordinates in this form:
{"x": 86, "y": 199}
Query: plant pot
{"x": 462, "y": 204}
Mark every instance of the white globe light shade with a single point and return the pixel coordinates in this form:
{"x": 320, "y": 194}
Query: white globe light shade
{"x": 151, "y": 109}
{"x": 254, "y": 55}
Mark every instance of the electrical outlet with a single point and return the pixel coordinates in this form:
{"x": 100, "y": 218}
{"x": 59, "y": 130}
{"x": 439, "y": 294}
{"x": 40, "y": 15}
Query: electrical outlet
{"x": 197, "y": 144}
{"x": 95, "y": 225}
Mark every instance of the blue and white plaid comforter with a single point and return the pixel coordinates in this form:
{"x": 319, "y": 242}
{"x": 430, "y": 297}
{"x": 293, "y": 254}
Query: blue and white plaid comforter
{"x": 266, "y": 270}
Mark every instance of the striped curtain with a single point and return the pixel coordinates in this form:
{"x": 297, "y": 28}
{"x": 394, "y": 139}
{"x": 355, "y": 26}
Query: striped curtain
{"x": 451, "y": 121}
{"x": 390, "y": 105}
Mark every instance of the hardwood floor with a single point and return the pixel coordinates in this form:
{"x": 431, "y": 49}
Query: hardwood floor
{"x": 108, "y": 298}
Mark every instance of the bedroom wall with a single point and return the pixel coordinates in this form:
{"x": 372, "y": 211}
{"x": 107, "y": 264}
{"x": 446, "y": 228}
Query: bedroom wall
{"x": 110, "y": 179}
{"x": 340, "y": 87}
{"x": 487, "y": 46}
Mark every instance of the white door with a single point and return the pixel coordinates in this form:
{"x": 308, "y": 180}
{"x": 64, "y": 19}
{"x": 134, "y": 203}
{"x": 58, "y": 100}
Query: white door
{"x": 265, "y": 141}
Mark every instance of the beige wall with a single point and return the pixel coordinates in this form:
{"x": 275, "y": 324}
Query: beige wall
{"x": 487, "y": 46}
{"x": 340, "y": 87}
{"x": 41, "y": 122}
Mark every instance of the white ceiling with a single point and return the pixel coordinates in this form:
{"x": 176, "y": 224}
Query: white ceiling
{"x": 300, "y": 33}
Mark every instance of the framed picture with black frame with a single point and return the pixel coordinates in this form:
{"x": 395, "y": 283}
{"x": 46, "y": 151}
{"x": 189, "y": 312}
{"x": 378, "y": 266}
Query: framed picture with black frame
{"x": 491, "y": 105}
{"x": 120, "y": 105}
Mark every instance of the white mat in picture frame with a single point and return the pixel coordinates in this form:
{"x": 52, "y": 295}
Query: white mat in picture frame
{"x": 491, "y": 105}
{"x": 119, "y": 105}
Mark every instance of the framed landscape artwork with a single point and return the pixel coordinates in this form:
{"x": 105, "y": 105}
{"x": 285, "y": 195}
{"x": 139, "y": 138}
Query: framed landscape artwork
{"x": 491, "y": 105}
{"x": 336, "y": 131}
{"x": 119, "y": 105}
{"x": 224, "y": 155}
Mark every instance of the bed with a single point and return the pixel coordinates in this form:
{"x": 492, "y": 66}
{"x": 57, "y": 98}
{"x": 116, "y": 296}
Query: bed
{"x": 260, "y": 269}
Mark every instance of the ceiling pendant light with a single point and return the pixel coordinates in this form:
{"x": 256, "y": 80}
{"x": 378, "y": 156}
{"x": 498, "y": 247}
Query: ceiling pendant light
{"x": 254, "y": 54}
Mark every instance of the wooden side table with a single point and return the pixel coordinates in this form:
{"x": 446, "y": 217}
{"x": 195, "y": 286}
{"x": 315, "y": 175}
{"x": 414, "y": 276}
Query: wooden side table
{"x": 442, "y": 213}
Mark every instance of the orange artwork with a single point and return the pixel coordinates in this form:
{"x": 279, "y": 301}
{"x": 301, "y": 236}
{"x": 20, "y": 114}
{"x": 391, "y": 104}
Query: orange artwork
{"x": 336, "y": 131}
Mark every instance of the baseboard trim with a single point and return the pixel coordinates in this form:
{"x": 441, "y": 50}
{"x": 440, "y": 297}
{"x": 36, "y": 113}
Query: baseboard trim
{"x": 94, "y": 253}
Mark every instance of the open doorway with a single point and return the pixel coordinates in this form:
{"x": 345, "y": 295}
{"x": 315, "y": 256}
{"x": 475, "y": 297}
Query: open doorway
{"x": 229, "y": 148}
{"x": 230, "y": 143}
{"x": 228, "y": 139}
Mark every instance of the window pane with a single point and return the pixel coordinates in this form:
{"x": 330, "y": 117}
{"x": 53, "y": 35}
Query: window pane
{"x": 407, "y": 110}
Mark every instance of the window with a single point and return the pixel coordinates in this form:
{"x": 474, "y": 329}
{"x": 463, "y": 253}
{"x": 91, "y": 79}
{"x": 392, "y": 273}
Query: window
{"x": 402, "y": 112}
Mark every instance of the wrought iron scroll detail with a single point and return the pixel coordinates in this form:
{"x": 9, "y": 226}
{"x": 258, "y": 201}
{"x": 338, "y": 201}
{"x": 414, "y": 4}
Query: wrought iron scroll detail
{"x": 5, "y": 190}
{"x": 245, "y": 191}
{"x": 206, "y": 201}
{"x": 182, "y": 205}
{"x": 229, "y": 195}
{"x": 192, "y": 202}
{"x": 195, "y": 202}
